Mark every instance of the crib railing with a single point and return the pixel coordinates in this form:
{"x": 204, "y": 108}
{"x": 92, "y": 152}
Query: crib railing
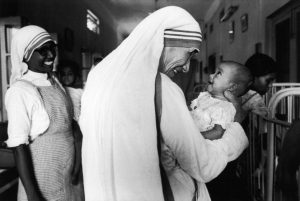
{"x": 266, "y": 135}
{"x": 287, "y": 102}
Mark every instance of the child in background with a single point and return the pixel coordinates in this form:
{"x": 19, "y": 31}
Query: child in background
{"x": 68, "y": 72}
{"x": 211, "y": 111}
{"x": 263, "y": 69}
{"x": 69, "y": 77}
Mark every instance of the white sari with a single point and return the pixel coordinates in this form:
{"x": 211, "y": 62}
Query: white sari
{"x": 119, "y": 151}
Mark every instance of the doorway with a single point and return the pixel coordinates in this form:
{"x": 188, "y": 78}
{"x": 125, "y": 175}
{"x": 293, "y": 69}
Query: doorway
{"x": 284, "y": 40}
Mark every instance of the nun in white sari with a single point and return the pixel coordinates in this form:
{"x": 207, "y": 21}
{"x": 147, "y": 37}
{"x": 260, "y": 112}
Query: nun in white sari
{"x": 118, "y": 120}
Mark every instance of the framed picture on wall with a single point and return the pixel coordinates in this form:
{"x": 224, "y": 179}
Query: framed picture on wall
{"x": 244, "y": 22}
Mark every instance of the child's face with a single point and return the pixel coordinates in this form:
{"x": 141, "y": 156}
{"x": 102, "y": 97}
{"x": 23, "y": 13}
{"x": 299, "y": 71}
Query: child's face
{"x": 263, "y": 83}
{"x": 221, "y": 80}
{"x": 67, "y": 76}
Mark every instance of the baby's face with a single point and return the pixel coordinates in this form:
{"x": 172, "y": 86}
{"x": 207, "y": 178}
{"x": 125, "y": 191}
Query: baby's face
{"x": 221, "y": 80}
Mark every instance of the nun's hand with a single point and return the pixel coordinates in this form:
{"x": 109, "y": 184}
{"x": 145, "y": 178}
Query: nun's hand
{"x": 237, "y": 103}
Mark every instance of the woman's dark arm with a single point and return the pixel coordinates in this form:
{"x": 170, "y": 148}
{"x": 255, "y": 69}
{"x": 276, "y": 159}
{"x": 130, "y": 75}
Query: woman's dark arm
{"x": 77, "y": 143}
{"x": 25, "y": 168}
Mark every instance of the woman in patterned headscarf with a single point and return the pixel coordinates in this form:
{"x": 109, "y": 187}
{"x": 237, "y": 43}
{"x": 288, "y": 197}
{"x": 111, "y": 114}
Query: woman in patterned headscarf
{"x": 39, "y": 119}
{"x": 118, "y": 118}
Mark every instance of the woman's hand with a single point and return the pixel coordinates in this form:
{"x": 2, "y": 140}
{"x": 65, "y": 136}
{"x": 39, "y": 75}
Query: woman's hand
{"x": 237, "y": 103}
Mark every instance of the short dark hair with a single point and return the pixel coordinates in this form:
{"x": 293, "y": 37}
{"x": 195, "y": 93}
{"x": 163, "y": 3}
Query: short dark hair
{"x": 261, "y": 65}
{"x": 71, "y": 64}
{"x": 242, "y": 77}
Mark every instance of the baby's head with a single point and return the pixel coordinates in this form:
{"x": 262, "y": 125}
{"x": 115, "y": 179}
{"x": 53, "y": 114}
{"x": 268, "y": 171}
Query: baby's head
{"x": 231, "y": 76}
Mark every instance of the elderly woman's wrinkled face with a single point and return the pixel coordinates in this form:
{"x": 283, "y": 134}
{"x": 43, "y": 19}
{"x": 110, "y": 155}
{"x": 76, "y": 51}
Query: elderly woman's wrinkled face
{"x": 42, "y": 59}
{"x": 176, "y": 59}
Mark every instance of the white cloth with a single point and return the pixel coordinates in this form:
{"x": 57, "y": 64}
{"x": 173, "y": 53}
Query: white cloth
{"x": 119, "y": 151}
{"x": 75, "y": 95}
{"x": 27, "y": 116}
{"x": 208, "y": 111}
{"x": 26, "y": 109}
{"x": 185, "y": 153}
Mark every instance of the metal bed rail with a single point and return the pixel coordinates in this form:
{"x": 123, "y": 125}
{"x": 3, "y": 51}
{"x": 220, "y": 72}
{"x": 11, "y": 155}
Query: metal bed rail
{"x": 287, "y": 101}
{"x": 266, "y": 136}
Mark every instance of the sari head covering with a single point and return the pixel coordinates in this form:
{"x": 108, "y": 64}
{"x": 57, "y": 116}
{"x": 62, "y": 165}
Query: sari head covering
{"x": 24, "y": 43}
{"x": 182, "y": 38}
{"x": 120, "y": 158}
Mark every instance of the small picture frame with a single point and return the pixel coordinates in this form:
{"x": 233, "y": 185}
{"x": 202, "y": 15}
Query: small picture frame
{"x": 244, "y": 22}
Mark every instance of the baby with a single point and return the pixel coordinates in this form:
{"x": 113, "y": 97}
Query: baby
{"x": 211, "y": 111}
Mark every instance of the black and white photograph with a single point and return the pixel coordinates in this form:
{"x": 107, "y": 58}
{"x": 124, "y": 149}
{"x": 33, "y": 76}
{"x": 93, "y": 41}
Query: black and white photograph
{"x": 150, "y": 100}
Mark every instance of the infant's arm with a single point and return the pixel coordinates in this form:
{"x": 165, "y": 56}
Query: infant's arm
{"x": 215, "y": 133}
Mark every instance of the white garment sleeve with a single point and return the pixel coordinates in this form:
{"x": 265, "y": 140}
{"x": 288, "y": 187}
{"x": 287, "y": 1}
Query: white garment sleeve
{"x": 18, "y": 118}
{"x": 202, "y": 159}
{"x": 27, "y": 117}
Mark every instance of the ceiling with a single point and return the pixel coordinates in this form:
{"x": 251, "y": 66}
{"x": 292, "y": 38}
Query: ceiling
{"x": 197, "y": 8}
{"x": 129, "y": 12}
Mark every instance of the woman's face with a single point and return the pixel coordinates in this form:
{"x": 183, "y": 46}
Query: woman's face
{"x": 42, "y": 59}
{"x": 176, "y": 59}
{"x": 67, "y": 76}
{"x": 263, "y": 83}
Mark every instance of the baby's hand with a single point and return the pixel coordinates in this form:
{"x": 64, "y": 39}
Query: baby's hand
{"x": 237, "y": 103}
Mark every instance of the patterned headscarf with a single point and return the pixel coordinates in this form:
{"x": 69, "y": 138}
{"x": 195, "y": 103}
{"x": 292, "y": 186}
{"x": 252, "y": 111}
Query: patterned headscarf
{"x": 182, "y": 38}
{"x": 24, "y": 43}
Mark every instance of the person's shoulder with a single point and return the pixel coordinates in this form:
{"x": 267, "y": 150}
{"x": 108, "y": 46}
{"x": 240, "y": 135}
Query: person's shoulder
{"x": 22, "y": 87}
{"x": 249, "y": 94}
{"x": 21, "y": 91}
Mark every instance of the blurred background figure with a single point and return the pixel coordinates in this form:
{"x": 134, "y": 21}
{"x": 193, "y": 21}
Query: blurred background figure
{"x": 69, "y": 74}
{"x": 263, "y": 69}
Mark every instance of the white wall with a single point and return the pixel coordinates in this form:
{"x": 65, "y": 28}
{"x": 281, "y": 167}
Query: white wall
{"x": 243, "y": 44}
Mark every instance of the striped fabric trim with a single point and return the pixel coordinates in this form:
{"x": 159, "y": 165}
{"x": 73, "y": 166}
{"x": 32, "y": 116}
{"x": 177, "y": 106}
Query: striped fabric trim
{"x": 182, "y": 34}
{"x": 35, "y": 43}
{"x": 182, "y": 38}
